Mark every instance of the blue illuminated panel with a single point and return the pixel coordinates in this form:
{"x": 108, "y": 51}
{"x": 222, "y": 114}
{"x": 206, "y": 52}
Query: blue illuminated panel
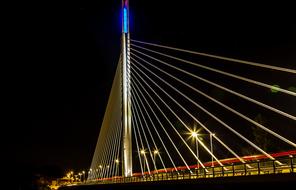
{"x": 125, "y": 20}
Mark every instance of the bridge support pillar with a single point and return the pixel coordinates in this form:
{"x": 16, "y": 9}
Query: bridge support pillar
{"x": 126, "y": 99}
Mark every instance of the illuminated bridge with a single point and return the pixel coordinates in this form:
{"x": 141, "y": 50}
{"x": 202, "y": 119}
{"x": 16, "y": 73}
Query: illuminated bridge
{"x": 177, "y": 114}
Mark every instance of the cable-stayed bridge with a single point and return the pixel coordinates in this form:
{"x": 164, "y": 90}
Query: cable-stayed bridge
{"x": 177, "y": 114}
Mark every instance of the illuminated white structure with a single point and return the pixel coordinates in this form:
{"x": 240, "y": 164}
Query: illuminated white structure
{"x": 126, "y": 100}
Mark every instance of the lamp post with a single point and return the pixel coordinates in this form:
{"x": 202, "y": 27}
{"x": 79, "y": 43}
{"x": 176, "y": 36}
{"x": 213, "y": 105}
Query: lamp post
{"x": 116, "y": 167}
{"x": 69, "y": 176}
{"x": 100, "y": 173}
{"x": 90, "y": 173}
{"x": 143, "y": 153}
{"x": 83, "y": 176}
{"x": 155, "y": 152}
{"x": 80, "y": 174}
{"x": 107, "y": 171}
{"x": 72, "y": 177}
{"x": 195, "y": 135}
{"x": 211, "y": 142}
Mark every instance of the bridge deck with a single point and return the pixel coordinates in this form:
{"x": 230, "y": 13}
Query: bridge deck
{"x": 229, "y": 183}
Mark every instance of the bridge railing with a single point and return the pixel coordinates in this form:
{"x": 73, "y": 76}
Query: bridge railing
{"x": 282, "y": 165}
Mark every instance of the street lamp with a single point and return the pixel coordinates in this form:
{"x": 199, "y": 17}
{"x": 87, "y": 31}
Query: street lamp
{"x": 143, "y": 153}
{"x": 194, "y": 134}
{"x": 155, "y": 152}
{"x": 211, "y": 140}
{"x": 83, "y": 175}
{"x": 72, "y": 176}
{"x": 107, "y": 170}
{"x": 100, "y": 173}
{"x": 89, "y": 173}
{"x": 117, "y": 164}
{"x": 80, "y": 174}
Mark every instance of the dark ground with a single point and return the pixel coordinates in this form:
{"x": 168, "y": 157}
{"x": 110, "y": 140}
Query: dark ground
{"x": 30, "y": 177}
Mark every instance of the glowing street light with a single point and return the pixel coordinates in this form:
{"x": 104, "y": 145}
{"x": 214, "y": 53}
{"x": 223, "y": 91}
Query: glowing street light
{"x": 211, "y": 141}
{"x": 80, "y": 174}
{"x": 116, "y": 164}
{"x": 155, "y": 152}
{"x": 101, "y": 170}
{"x": 194, "y": 134}
{"x": 83, "y": 175}
{"x": 90, "y": 171}
{"x": 70, "y": 175}
{"x": 144, "y": 160}
{"x": 142, "y": 152}
{"x": 107, "y": 170}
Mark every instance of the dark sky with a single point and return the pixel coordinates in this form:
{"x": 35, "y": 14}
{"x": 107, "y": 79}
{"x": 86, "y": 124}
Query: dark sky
{"x": 62, "y": 56}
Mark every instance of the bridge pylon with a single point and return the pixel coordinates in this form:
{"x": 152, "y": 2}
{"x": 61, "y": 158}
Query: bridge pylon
{"x": 126, "y": 99}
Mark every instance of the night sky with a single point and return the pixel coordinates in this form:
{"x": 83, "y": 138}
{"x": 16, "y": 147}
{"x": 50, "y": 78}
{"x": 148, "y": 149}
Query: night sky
{"x": 61, "y": 60}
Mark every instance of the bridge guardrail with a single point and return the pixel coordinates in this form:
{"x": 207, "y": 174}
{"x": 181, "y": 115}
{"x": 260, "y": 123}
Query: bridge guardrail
{"x": 266, "y": 167}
